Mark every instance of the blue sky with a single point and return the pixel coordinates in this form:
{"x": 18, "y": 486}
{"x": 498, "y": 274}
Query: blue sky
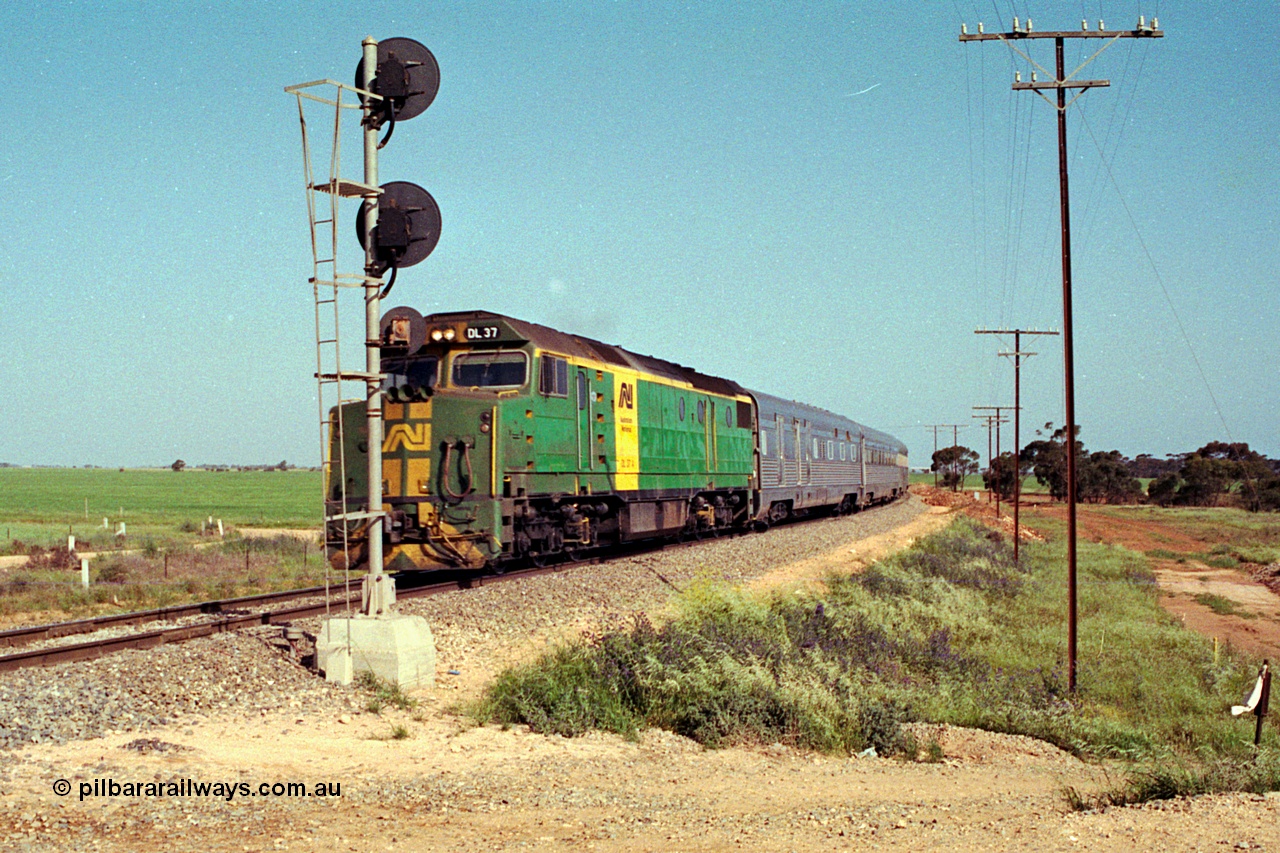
{"x": 821, "y": 201}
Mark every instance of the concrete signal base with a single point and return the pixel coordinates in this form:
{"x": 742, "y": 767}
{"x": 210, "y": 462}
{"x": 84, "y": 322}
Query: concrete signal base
{"x": 396, "y": 648}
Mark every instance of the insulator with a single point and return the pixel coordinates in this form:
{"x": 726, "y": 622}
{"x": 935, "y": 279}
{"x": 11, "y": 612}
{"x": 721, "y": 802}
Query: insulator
{"x": 979, "y": 27}
{"x": 1017, "y": 76}
{"x": 1028, "y": 25}
{"x": 1015, "y": 24}
{"x": 1084, "y": 26}
{"x": 1155, "y": 23}
{"x": 1033, "y": 77}
{"x": 1142, "y": 22}
{"x": 1101, "y": 26}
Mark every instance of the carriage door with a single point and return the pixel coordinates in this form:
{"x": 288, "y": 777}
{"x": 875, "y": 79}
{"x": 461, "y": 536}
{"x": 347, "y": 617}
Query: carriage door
{"x": 781, "y": 432}
{"x": 799, "y": 450}
{"x": 586, "y": 429}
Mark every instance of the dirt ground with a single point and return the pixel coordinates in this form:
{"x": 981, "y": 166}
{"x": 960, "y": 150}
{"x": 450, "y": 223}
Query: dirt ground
{"x": 453, "y": 786}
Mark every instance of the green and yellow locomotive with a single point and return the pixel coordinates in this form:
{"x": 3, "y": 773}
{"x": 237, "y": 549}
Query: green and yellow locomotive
{"x": 508, "y": 441}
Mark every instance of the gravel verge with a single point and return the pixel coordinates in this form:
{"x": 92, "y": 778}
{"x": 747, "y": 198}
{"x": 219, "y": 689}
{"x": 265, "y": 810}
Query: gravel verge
{"x": 250, "y": 672}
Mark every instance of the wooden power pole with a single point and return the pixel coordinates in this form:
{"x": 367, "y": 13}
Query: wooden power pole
{"x": 1018, "y": 355}
{"x": 1060, "y": 83}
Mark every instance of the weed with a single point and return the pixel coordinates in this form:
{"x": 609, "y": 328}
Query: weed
{"x": 400, "y": 732}
{"x": 1223, "y": 606}
{"x": 385, "y": 693}
{"x": 951, "y": 631}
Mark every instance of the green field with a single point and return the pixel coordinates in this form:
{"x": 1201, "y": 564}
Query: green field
{"x": 164, "y": 558}
{"x": 40, "y": 506}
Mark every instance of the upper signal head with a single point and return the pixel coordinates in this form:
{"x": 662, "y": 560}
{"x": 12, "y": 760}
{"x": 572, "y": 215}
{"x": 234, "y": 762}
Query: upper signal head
{"x": 407, "y": 76}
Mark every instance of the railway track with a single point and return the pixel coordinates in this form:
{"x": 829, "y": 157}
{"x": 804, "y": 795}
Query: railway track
{"x": 229, "y": 615}
{"x": 234, "y": 614}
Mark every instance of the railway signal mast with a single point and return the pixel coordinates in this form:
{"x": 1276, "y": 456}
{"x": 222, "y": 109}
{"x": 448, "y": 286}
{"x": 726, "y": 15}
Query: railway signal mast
{"x": 1060, "y": 83}
{"x": 398, "y": 225}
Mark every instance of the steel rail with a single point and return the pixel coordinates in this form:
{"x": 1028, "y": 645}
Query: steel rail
{"x": 230, "y": 621}
{"x": 36, "y": 633}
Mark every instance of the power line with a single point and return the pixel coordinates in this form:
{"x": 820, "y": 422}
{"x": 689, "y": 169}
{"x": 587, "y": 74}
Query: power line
{"x": 1060, "y": 84}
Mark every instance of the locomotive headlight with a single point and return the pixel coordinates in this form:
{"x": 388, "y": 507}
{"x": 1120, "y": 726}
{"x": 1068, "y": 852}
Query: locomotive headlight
{"x": 449, "y": 334}
{"x": 437, "y": 335}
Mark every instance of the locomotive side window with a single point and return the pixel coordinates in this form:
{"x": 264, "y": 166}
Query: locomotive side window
{"x": 553, "y": 378}
{"x": 680, "y": 407}
{"x": 728, "y": 416}
{"x": 702, "y": 411}
{"x": 490, "y": 369}
{"x": 582, "y": 390}
{"x": 764, "y": 443}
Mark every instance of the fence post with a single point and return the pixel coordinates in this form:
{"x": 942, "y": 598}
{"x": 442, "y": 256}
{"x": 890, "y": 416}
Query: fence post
{"x": 84, "y": 572}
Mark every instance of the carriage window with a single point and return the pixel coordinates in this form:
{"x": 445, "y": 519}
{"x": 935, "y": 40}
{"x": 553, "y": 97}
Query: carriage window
{"x": 490, "y": 369}
{"x": 831, "y": 449}
{"x": 553, "y": 379}
{"x": 844, "y": 451}
{"x": 702, "y": 411}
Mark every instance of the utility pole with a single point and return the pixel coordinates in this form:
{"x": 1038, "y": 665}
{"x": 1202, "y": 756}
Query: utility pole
{"x": 1017, "y": 356}
{"x": 1061, "y": 82}
{"x": 991, "y": 420}
{"x": 955, "y": 432}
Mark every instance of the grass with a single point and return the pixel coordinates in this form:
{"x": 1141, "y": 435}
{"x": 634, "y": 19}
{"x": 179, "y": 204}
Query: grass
{"x": 42, "y": 505}
{"x": 165, "y": 512}
{"x": 155, "y": 578}
{"x": 950, "y": 631}
{"x": 1223, "y": 606}
{"x": 382, "y": 694}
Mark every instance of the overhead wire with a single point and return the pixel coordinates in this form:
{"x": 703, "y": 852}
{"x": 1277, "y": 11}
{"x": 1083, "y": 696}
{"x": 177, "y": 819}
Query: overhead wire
{"x": 1163, "y": 288}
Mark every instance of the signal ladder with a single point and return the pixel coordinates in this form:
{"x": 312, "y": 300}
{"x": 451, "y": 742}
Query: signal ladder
{"x": 329, "y": 284}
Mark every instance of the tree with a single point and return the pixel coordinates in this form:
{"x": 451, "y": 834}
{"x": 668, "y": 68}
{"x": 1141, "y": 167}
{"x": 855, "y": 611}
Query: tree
{"x": 1104, "y": 477}
{"x": 1002, "y": 476}
{"x": 178, "y": 465}
{"x": 1048, "y": 460}
{"x": 955, "y": 462}
{"x": 1220, "y": 468}
{"x": 1164, "y": 489}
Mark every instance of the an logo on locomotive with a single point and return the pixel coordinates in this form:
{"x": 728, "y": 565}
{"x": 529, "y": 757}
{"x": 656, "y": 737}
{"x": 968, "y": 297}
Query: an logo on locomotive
{"x": 409, "y": 436}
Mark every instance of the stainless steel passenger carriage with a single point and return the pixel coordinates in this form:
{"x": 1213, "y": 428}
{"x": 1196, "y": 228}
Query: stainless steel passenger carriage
{"x": 811, "y": 458}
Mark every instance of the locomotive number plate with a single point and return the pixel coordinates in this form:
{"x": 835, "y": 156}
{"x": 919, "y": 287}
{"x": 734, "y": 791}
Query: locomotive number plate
{"x": 481, "y": 333}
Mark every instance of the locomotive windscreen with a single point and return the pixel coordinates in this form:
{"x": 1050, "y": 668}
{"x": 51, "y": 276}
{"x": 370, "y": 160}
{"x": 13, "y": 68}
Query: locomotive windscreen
{"x": 490, "y": 370}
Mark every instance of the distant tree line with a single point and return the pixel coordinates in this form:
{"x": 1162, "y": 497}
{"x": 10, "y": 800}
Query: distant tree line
{"x": 1218, "y": 474}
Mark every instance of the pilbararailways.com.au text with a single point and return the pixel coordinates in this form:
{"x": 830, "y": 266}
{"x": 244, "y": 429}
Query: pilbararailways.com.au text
{"x": 189, "y": 788}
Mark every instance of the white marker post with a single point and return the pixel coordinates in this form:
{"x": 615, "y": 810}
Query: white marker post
{"x": 84, "y": 572}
